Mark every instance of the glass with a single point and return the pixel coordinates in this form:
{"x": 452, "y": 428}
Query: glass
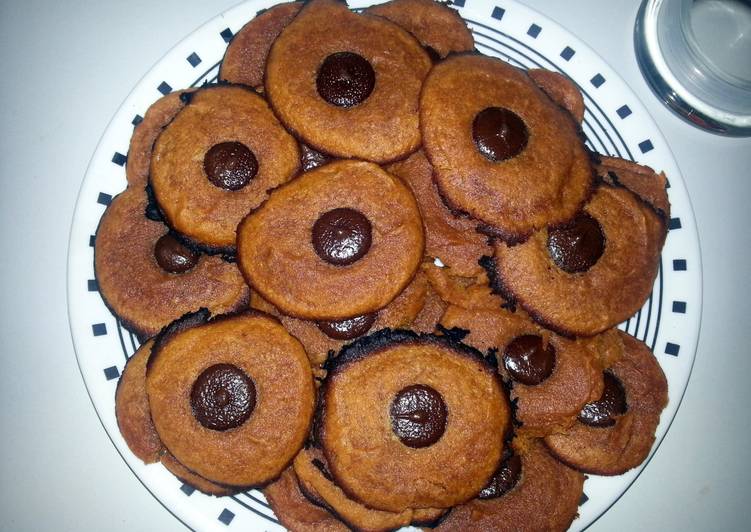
{"x": 696, "y": 56}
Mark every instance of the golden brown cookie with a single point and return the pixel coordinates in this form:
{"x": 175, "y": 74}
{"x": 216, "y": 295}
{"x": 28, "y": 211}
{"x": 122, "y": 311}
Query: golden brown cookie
{"x": 410, "y": 421}
{"x": 436, "y": 25}
{"x": 147, "y": 278}
{"x": 218, "y": 390}
{"x": 190, "y": 478}
{"x": 347, "y": 84}
{"x": 216, "y": 161}
{"x": 590, "y": 274}
{"x": 322, "y": 337}
{"x": 315, "y": 481}
{"x": 466, "y": 292}
{"x": 616, "y": 433}
{"x": 295, "y": 511}
{"x": 551, "y": 378}
{"x": 448, "y": 237}
{"x": 502, "y": 151}
{"x": 429, "y": 316}
{"x": 561, "y": 90}
{"x": 245, "y": 59}
{"x": 641, "y": 180}
{"x": 342, "y": 240}
{"x": 535, "y": 492}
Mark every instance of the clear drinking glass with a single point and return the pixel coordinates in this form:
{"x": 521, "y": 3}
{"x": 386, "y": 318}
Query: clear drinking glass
{"x": 696, "y": 56}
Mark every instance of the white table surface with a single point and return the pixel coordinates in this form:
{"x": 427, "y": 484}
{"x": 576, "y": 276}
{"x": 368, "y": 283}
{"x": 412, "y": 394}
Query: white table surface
{"x": 66, "y": 68}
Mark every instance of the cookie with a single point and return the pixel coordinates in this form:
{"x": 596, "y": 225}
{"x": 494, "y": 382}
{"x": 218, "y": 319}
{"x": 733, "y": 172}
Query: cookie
{"x": 427, "y": 319}
{"x": 592, "y": 273}
{"x": 503, "y": 152}
{"x": 615, "y": 433}
{"x": 551, "y": 377}
{"x": 561, "y": 89}
{"x": 315, "y": 481}
{"x": 148, "y": 278}
{"x": 531, "y": 492}
{"x": 342, "y": 240}
{"x": 643, "y": 181}
{"x": 448, "y": 237}
{"x": 466, "y": 292}
{"x": 398, "y": 412}
{"x": 295, "y": 511}
{"x": 437, "y": 26}
{"x": 244, "y": 60}
{"x": 347, "y": 84}
{"x": 323, "y": 337}
{"x": 190, "y": 478}
{"x": 216, "y": 161}
{"x": 218, "y": 390}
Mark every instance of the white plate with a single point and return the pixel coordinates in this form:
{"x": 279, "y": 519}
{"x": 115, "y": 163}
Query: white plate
{"x": 615, "y": 123}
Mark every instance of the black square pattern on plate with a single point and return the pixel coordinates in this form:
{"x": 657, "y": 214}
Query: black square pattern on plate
{"x": 119, "y": 159}
{"x": 164, "y": 88}
{"x": 136, "y": 120}
{"x": 645, "y": 146}
{"x": 597, "y": 80}
{"x": 187, "y": 489}
{"x": 103, "y": 199}
{"x": 623, "y": 111}
{"x": 498, "y": 13}
{"x": 675, "y": 223}
{"x": 226, "y": 34}
{"x": 111, "y": 373}
{"x": 567, "y": 53}
{"x": 194, "y": 60}
{"x": 92, "y": 285}
{"x": 583, "y": 499}
{"x": 92, "y": 240}
{"x": 679, "y": 265}
{"x": 459, "y": 3}
{"x": 226, "y": 517}
{"x": 679, "y": 307}
{"x": 672, "y": 349}
{"x": 99, "y": 329}
{"x": 534, "y": 30}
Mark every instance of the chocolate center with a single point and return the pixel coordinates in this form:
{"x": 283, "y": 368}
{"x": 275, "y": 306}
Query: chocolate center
{"x": 345, "y": 79}
{"x": 418, "y": 416}
{"x": 527, "y": 361}
{"x": 223, "y": 397}
{"x": 504, "y": 479}
{"x": 342, "y": 236}
{"x": 349, "y": 328}
{"x": 230, "y": 165}
{"x": 173, "y": 256}
{"x": 499, "y": 134}
{"x": 576, "y": 246}
{"x": 612, "y": 403}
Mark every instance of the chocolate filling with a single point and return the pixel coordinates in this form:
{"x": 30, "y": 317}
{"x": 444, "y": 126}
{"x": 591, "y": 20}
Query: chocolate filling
{"x": 230, "y": 165}
{"x": 347, "y": 329}
{"x": 223, "y": 397}
{"x": 504, "y": 479}
{"x": 576, "y": 246}
{"x": 499, "y": 134}
{"x": 345, "y": 79}
{"x": 173, "y": 256}
{"x": 527, "y": 361}
{"x": 612, "y": 403}
{"x": 418, "y": 416}
{"x": 342, "y": 236}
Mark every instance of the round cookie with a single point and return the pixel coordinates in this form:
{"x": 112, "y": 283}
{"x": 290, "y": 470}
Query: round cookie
{"x": 590, "y": 274}
{"x": 138, "y": 288}
{"x": 504, "y": 152}
{"x": 543, "y": 494}
{"x": 436, "y": 25}
{"x": 295, "y": 511}
{"x": 561, "y": 90}
{"x": 347, "y": 84}
{"x": 216, "y": 161}
{"x": 616, "y": 433}
{"x": 321, "y": 338}
{"x": 245, "y": 59}
{"x": 551, "y": 378}
{"x": 448, "y": 237}
{"x": 315, "y": 481}
{"x": 342, "y": 240}
{"x": 410, "y": 421}
{"x": 218, "y": 389}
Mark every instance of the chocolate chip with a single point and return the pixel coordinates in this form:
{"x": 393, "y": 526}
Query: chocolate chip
{"x": 347, "y": 329}
{"x": 499, "y": 134}
{"x": 342, "y": 236}
{"x": 173, "y": 256}
{"x": 527, "y": 361}
{"x": 230, "y": 165}
{"x": 223, "y": 397}
{"x": 345, "y": 79}
{"x": 612, "y": 403}
{"x": 576, "y": 246}
{"x": 504, "y": 479}
{"x": 310, "y": 158}
{"x": 418, "y": 416}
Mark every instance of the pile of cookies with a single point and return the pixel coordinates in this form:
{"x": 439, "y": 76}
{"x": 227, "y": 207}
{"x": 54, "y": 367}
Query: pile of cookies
{"x": 378, "y": 275}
